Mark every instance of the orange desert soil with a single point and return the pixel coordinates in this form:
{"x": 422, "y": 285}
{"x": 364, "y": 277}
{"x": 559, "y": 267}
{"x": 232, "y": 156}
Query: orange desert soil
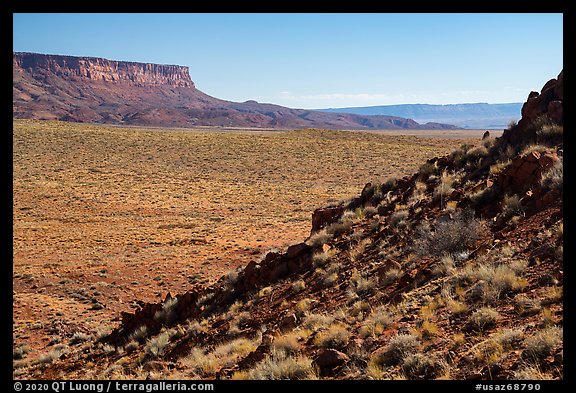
{"x": 105, "y": 216}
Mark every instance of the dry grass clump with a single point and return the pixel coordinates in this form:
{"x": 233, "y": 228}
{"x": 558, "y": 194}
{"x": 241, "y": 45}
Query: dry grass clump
{"x": 446, "y": 185}
{"x": 362, "y": 284}
{"x": 335, "y": 336}
{"x": 511, "y": 206}
{"x": 359, "y": 249}
{"x": 525, "y": 305}
{"x": 298, "y": 286}
{"x": 156, "y": 345}
{"x": 477, "y": 153}
{"x": 549, "y": 133}
{"x": 423, "y": 366}
{"x": 391, "y": 276}
{"x": 488, "y": 351}
{"x": 428, "y": 329}
{"x": 448, "y": 237}
{"x": 541, "y": 344}
{"x": 337, "y": 229}
{"x": 398, "y": 219}
{"x": 427, "y": 169}
{"x": 444, "y": 266}
{"x": 376, "y": 322}
{"x": 482, "y": 319}
{"x": 553, "y": 178}
{"x": 484, "y": 196}
{"x": 531, "y": 372}
{"x": 54, "y": 354}
{"x": 321, "y": 258}
{"x": 139, "y": 334}
{"x": 202, "y": 362}
{"x": 456, "y": 307}
{"x": 495, "y": 281}
{"x": 509, "y": 339}
{"x": 399, "y": 348}
{"x": 167, "y": 314}
{"x": 80, "y": 337}
{"x": 20, "y": 352}
{"x": 289, "y": 343}
{"x": 279, "y": 365}
{"x": 313, "y": 321}
{"x": 319, "y": 238}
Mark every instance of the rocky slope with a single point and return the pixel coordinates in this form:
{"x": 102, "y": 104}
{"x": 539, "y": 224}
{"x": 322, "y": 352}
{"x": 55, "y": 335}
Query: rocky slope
{"x": 87, "y": 89}
{"x": 455, "y": 272}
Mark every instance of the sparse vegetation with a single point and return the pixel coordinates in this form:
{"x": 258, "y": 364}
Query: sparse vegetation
{"x": 289, "y": 342}
{"x": 483, "y": 319}
{"x": 511, "y": 206}
{"x": 540, "y": 345}
{"x": 335, "y": 336}
{"x": 313, "y": 321}
{"x": 391, "y": 276}
{"x": 277, "y": 366}
{"x": 20, "y": 352}
{"x": 554, "y": 177}
{"x": 549, "y": 133}
{"x": 54, "y": 354}
{"x": 484, "y": 196}
{"x": 449, "y": 236}
{"x": 399, "y": 348}
{"x": 156, "y": 345}
{"x": 426, "y": 170}
{"x": 203, "y": 362}
{"x": 454, "y": 269}
{"x": 363, "y": 285}
{"x": 509, "y": 339}
{"x": 381, "y": 316}
{"x": 398, "y": 219}
{"x": 139, "y": 334}
{"x": 421, "y": 366}
{"x": 167, "y": 314}
{"x": 531, "y": 372}
{"x": 321, "y": 258}
{"x": 319, "y": 238}
{"x": 80, "y": 337}
{"x": 298, "y": 286}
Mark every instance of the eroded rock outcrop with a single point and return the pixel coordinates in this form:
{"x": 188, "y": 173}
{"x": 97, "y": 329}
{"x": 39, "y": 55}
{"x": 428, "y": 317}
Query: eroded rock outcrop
{"x": 97, "y": 69}
{"x": 548, "y": 103}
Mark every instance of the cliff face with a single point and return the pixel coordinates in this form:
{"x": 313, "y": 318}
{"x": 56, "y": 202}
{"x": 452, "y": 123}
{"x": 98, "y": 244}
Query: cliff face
{"x": 97, "y": 69}
{"x": 88, "y": 89}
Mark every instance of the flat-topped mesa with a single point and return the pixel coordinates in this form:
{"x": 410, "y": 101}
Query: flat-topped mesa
{"x": 98, "y": 69}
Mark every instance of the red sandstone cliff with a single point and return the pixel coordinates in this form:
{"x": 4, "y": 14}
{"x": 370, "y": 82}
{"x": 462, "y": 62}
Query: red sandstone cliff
{"x": 97, "y": 69}
{"x": 88, "y": 89}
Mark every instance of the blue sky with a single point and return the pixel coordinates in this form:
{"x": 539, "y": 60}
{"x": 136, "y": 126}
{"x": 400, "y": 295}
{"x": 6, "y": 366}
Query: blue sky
{"x": 322, "y": 60}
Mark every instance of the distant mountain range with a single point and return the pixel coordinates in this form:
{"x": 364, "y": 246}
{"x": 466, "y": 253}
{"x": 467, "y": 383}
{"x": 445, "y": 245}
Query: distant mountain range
{"x": 95, "y": 90}
{"x": 479, "y": 115}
